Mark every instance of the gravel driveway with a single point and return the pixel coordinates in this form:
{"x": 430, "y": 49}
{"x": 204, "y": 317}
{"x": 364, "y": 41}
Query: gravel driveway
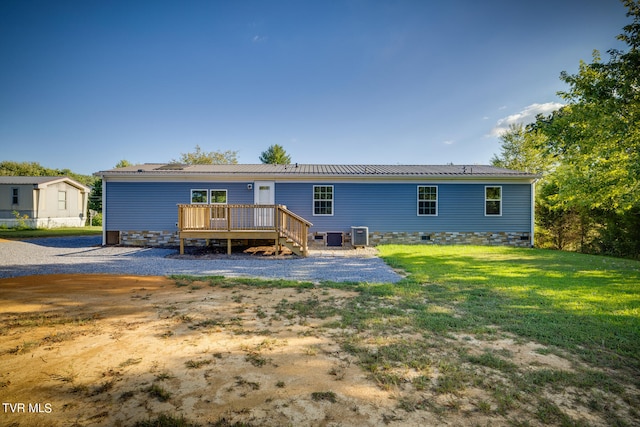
{"x": 86, "y": 255}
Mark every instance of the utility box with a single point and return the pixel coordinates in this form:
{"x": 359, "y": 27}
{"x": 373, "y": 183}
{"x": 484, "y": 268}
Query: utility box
{"x": 113, "y": 238}
{"x": 359, "y": 236}
{"x": 334, "y": 238}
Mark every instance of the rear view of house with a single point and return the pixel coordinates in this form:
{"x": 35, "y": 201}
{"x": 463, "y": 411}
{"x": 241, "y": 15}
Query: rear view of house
{"x": 42, "y": 201}
{"x": 148, "y": 204}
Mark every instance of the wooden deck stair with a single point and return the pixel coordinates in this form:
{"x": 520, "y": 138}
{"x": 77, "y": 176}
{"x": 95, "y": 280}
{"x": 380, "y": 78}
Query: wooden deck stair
{"x": 223, "y": 221}
{"x": 292, "y": 246}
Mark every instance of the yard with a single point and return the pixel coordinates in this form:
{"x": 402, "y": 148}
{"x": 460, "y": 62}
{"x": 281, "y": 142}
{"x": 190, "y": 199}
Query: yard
{"x": 472, "y": 336}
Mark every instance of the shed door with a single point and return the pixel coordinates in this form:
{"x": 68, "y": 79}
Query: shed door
{"x": 264, "y": 194}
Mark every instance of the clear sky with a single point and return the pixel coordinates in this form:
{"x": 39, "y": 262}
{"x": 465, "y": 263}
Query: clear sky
{"x": 86, "y": 83}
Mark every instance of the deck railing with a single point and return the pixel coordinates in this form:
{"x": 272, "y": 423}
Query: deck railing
{"x": 293, "y": 227}
{"x": 245, "y": 218}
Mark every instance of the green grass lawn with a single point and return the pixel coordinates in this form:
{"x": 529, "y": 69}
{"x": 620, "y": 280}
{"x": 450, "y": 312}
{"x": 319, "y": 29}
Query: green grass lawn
{"x": 576, "y": 302}
{"x": 583, "y": 309}
{"x": 13, "y": 233}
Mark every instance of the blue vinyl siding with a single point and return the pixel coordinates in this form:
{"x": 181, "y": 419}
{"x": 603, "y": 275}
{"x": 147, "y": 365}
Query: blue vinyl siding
{"x": 153, "y": 205}
{"x": 393, "y": 207}
{"x": 383, "y": 207}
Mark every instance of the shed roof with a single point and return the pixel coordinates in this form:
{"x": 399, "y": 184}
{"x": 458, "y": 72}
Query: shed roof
{"x": 40, "y": 181}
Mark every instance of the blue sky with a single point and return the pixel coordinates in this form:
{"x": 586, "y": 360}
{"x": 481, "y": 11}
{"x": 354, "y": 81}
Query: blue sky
{"x": 84, "y": 84}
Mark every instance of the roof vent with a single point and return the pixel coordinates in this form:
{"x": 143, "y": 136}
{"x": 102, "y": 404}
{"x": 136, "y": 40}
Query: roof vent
{"x": 171, "y": 167}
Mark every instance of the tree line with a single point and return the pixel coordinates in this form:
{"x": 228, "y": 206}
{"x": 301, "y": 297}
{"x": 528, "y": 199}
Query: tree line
{"x": 275, "y": 154}
{"x": 588, "y": 154}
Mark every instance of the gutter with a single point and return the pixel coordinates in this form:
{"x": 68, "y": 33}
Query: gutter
{"x": 533, "y": 211}
{"x": 104, "y": 212}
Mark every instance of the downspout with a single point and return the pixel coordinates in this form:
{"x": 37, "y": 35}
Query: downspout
{"x": 533, "y": 211}
{"x": 85, "y": 206}
{"x": 36, "y": 205}
{"x": 104, "y": 211}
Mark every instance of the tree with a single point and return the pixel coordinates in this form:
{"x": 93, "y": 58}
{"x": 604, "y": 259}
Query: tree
{"x": 521, "y": 150}
{"x": 597, "y": 134}
{"x": 95, "y": 197}
{"x": 199, "y": 157}
{"x": 275, "y": 155}
{"x": 596, "y": 141}
{"x": 10, "y": 168}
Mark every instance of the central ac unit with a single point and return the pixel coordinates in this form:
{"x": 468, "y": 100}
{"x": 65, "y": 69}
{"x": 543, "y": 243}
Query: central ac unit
{"x": 359, "y": 236}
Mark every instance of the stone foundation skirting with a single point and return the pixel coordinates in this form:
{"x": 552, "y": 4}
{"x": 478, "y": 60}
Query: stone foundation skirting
{"x": 149, "y": 238}
{"x": 522, "y": 239}
{"x": 167, "y": 239}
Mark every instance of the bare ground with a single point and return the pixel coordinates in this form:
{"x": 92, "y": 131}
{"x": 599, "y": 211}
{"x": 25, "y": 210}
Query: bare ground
{"x": 103, "y": 350}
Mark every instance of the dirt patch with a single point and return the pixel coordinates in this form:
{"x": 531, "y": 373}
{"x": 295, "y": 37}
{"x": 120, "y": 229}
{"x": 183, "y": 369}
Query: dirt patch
{"x": 111, "y": 350}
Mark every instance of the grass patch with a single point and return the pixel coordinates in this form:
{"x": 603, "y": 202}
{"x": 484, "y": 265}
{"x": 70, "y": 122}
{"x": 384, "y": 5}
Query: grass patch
{"x": 490, "y": 360}
{"x": 165, "y": 420}
{"x": 13, "y": 233}
{"x": 162, "y": 376}
{"x": 241, "y": 382}
{"x": 329, "y": 396}
{"x": 227, "y": 282}
{"x": 195, "y": 364}
{"x": 68, "y": 376}
{"x": 581, "y": 303}
{"x": 159, "y": 393}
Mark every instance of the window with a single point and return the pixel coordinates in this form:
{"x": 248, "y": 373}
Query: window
{"x": 62, "y": 200}
{"x": 218, "y": 197}
{"x": 14, "y": 196}
{"x": 199, "y": 196}
{"x": 323, "y": 199}
{"x": 493, "y": 201}
{"x": 427, "y": 200}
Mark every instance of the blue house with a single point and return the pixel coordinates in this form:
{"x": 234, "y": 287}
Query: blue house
{"x": 170, "y": 204}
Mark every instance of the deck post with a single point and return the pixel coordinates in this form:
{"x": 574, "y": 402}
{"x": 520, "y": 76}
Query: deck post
{"x": 228, "y": 246}
{"x": 180, "y": 229}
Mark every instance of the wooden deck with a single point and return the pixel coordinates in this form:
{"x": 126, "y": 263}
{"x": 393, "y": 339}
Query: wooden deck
{"x": 223, "y": 221}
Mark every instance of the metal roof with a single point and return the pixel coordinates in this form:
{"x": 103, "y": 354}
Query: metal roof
{"x": 326, "y": 170}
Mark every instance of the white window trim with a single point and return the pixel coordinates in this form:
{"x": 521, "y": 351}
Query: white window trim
{"x": 226, "y": 192}
{"x": 223, "y": 214}
{"x": 418, "y": 200}
{"x": 492, "y": 200}
{"x": 198, "y": 203}
{"x": 63, "y": 200}
{"x": 313, "y": 200}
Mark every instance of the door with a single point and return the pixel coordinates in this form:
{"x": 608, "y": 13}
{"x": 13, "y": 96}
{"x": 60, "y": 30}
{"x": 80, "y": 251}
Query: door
{"x": 264, "y": 194}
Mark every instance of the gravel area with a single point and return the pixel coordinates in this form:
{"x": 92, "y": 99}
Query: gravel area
{"x": 86, "y": 255}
